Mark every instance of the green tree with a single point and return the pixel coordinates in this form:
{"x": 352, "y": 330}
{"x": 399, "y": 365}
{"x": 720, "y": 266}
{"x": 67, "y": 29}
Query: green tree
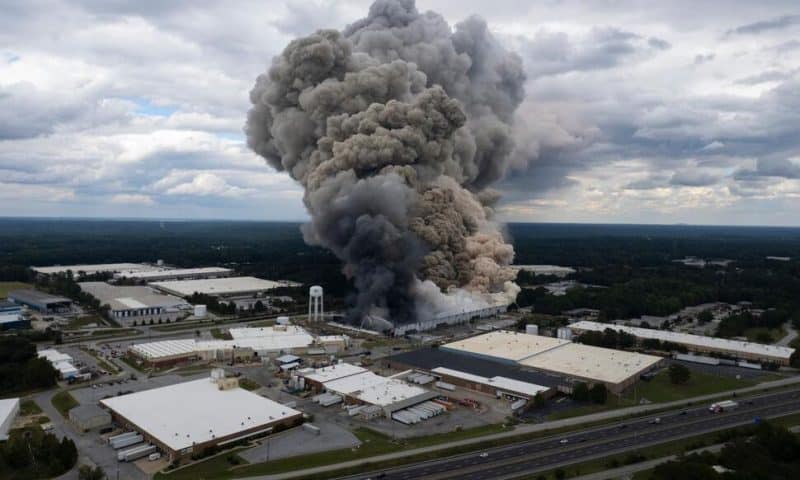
{"x": 580, "y": 392}
{"x": 598, "y": 393}
{"x": 679, "y": 374}
{"x": 88, "y": 473}
{"x": 704, "y": 317}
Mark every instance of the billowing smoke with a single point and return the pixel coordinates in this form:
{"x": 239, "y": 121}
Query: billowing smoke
{"x": 396, "y": 128}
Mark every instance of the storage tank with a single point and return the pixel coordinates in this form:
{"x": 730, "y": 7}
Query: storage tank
{"x": 532, "y": 329}
{"x": 200, "y": 311}
{"x": 564, "y": 333}
{"x": 282, "y": 321}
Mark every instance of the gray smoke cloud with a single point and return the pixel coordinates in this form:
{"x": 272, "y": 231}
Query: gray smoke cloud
{"x": 396, "y": 127}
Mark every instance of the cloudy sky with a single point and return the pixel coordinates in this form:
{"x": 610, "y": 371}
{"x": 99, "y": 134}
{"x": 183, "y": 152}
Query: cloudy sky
{"x": 640, "y": 111}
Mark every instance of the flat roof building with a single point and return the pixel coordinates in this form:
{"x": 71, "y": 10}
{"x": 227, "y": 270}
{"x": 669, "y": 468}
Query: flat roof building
{"x": 137, "y": 305}
{"x": 60, "y": 361}
{"x": 82, "y": 270}
{"x": 9, "y": 409}
{"x": 191, "y": 417}
{"x": 89, "y": 417}
{"x": 220, "y": 287}
{"x": 40, "y": 301}
{"x": 617, "y": 369}
{"x": 177, "y": 274}
{"x": 506, "y": 345}
{"x": 13, "y": 321}
{"x": 697, "y": 343}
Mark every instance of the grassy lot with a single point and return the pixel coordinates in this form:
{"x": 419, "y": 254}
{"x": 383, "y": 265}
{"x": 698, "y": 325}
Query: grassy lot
{"x": 64, "y": 402}
{"x": 659, "y": 390}
{"x": 84, "y": 321}
{"x": 6, "y": 287}
{"x": 248, "y": 384}
{"x": 131, "y": 363}
{"x": 29, "y": 407}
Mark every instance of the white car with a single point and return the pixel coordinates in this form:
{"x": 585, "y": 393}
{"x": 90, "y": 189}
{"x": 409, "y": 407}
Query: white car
{"x": 563, "y": 441}
{"x": 484, "y": 454}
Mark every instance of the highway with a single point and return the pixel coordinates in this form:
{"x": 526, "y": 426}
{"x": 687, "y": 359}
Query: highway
{"x": 547, "y": 453}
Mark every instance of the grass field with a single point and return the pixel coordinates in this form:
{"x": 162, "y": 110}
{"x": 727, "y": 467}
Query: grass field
{"x": 220, "y": 334}
{"x": 29, "y": 407}
{"x": 659, "y": 390}
{"x": 760, "y": 334}
{"x": 84, "y": 321}
{"x": 64, "y": 402}
{"x": 6, "y": 287}
{"x": 248, "y": 384}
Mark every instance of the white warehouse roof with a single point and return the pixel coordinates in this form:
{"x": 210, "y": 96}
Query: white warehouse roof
{"x": 333, "y": 372}
{"x": 196, "y": 412}
{"x": 501, "y": 383}
{"x": 9, "y": 408}
{"x": 176, "y": 273}
{"x": 506, "y": 345}
{"x": 97, "y": 268}
{"x": 375, "y": 389}
{"x": 603, "y": 364}
{"x": 164, "y": 348}
{"x": 217, "y": 286}
{"x": 714, "y": 343}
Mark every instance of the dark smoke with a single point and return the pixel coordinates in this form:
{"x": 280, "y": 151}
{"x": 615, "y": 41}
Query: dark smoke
{"x": 396, "y": 127}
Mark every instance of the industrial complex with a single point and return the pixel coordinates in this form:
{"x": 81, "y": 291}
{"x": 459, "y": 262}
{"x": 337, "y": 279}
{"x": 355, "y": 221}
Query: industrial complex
{"x": 131, "y": 305}
{"x": 750, "y": 351}
{"x": 40, "y": 301}
{"x": 86, "y": 270}
{"x": 195, "y": 416}
{"x": 218, "y": 287}
{"x": 176, "y": 274}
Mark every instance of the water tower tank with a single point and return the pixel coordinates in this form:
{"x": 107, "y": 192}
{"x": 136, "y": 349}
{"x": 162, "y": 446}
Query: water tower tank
{"x": 315, "y": 304}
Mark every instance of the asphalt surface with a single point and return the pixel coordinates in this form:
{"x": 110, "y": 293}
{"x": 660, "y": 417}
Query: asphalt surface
{"x": 552, "y": 452}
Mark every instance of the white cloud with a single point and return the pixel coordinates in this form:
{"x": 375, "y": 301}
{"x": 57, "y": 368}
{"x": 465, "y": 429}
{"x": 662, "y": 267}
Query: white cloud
{"x": 132, "y": 199}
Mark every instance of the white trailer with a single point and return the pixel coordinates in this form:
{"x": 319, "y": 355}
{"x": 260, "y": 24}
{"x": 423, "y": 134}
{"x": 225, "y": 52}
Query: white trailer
{"x": 135, "y": 453}
{"x": 445, "y": 386}
{"x": 724, "y": 406}
{"x": 121, "y": 436}
{"x": 127, "y": 442}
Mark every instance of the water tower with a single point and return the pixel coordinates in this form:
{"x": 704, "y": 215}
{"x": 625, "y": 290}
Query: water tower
{"x": 315, "y": 308}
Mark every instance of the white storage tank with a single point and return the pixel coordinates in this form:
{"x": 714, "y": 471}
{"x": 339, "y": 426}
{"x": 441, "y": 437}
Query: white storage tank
{"x": 200, "y": 311}
{"x": 282, "y": 321}
{"x": 565, "y": 333}
{"x": 532, "y": 329}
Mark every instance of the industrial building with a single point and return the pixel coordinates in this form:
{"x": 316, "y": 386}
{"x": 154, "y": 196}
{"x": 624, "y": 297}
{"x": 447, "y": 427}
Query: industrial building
{"x": 11, "y": 317}
{"x": 85, "y": 270}
{"x": 450, "y": 318}
{"x": 218, "y": 287}
{"x": 89, "y": 417}
{"x": 574, "y": 362}
{"x": 9, "y": 409}
{"x": 357, "y": 386}
{"x": 478, "y": 373}
{"x": 40, "y": 301}
{"x": 246, "y": 344}
{"x": 137, "y": 305}
{"x": 750, "y": 351}
{"x": 189, "y": 418}
{"x": 60, "y": 361}
{"x": 176, "y": 274}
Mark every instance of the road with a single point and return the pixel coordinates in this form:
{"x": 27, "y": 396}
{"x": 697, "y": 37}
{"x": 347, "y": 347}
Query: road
{"x": 534, "y": 456}
{"x": 791, "y": 334}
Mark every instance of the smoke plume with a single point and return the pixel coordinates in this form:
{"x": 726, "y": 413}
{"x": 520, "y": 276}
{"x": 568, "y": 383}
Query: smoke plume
{"x": 396, "y": 127}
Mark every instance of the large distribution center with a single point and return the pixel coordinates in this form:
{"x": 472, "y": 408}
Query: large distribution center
{"x": 697, "y": 343}
{"x": 614, "y": 368}
{"x": 82, "y": 270}
{"x": 40, "y": 301}
{"x": 218, "y": 287}
{"x": 246, "y": 343}
{"x": 177, "y": 274}
{"x": 189, "y": 418}
{"x": 137, "y": 304}
{"x": 451, "y": 318}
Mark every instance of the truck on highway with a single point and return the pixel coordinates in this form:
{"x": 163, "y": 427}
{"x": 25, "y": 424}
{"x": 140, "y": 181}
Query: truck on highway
{"x": 724, "y": 406}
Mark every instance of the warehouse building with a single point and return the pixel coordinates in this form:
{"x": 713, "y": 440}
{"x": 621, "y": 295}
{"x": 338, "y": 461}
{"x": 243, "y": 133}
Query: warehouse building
{"x": 89, "y": 417}
{"x": 190, "y": 418}
{"x": 359, "y": 386}
{"x": 40, "y": 301}
{"x": 574, "y": 362}
{"x": 9, "y": 409}
{"x": 755, "y": 352}
{"x": 218, "y": 287}
{"x": 177, "y": 274}
{"x": 84, "y": 270}
{"x": 247, "y": 344}
{"x": 137, "y": 305}
{"x": 450, "y": 318}
{"x": 477, "y": 373}
{"x": 60, "y": 361}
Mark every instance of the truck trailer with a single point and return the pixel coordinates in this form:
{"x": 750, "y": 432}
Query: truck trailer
{"x": 724, "y": 406}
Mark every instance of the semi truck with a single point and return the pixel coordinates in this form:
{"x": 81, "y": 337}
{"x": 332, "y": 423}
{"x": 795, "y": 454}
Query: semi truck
{"x": 724, "y": 406}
